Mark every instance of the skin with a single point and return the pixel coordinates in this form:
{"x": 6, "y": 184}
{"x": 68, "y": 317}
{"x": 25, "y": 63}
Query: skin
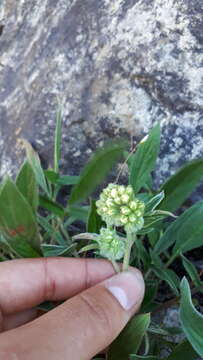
{"x": 85, "y": 324}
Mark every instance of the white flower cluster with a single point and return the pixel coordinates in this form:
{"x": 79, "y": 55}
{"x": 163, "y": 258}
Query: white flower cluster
{"x": 118, "y": 206}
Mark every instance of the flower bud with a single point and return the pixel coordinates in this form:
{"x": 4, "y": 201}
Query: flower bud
{"x": 111, "y": 246}
{"x": 118, "y": 206}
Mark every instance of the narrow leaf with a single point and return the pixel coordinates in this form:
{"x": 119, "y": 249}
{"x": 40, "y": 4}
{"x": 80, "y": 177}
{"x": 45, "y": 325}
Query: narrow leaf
{"x": 94, "y": 221}
{"x": 191, "y": 319}
{"x": 143, "y": 161}
{"x": 180, "y": 186}
{"x": 58, "y": 133}
{"x": 52, "y": 206}
{"x": 154, "y": 202}
{"x": 89, "y": 247}
{"x": 192, "y": 271}
{"x": 35, "y": 162}
{"x": 27, "y": 185}
{"x": 129, "y": 341}
{"x": 57, "y": 250}
{"x": 170, "y": 277}
{"x": 68, "y": 180}
{"x": 95, "y": 171}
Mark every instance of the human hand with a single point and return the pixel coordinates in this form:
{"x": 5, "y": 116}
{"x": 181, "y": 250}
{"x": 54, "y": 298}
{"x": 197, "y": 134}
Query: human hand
{"x": 98, "y": 307}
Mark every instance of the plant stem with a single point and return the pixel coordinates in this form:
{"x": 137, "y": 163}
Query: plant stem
{"x": 171, "y": 260}
{"x": 126, "y": 260}
{"x": 115, "y": 266}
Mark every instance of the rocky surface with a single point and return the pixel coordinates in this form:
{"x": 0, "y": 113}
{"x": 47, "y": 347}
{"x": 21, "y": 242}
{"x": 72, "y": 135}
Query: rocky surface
{"x": 118, "y": 66}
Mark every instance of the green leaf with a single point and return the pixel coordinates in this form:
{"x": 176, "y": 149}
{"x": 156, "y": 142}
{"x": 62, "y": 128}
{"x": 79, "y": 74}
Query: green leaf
{"x": 17, "y": 221}
{"x": 23, "y": 248}
{"x": 138, "y": 357}
{"x": 68, "y": 180}
{"x": 79, "y": 212}
{"x": 186, "y": 232}
{"x": 180, "y": 186}
{"x": 57, "y": 250}
{"x": 94, "y": 221}
{"x": 150, "y": 294}
{"x": 170, "y": 277}
{"x": 58, "y": 135}
{"x": 89, "y": 247}
{"x": 35, "y": 162}
{"x": 27, "y": 185}
{"x": 143, "y": 161}
{"x": 95, "y": 171}
{"x": 52, "y": 206}
{"x": 192, "y": 271}
{"x": 154, "y": 202}
{"x": 129, "y": 341}
{"x": 51, "y": 176}
{"x": 183, "y": 351}
{"x": 191, "y": 319}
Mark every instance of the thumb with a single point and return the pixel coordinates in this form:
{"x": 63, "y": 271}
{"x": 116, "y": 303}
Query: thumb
{"x": 87, "y": 323}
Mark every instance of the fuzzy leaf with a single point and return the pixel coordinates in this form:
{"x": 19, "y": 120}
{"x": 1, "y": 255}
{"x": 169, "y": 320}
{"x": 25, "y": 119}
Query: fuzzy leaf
{"x": 191, "y": 319}
{"x": 143, "y": 161}
{"x": 129, "y": 341}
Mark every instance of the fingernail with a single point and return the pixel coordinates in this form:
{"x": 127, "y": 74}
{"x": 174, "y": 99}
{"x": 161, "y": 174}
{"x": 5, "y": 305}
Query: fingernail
{"x": 127, "y": 287}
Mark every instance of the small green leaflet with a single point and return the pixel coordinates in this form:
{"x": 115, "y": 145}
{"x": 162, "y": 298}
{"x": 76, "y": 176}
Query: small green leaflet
{"x": 180, "y": 186}
{"x": 191, "y": 319}
{"x": 129, "y": 341}
{"x": 144, "y": 159}
{"x": 95, "y": 171}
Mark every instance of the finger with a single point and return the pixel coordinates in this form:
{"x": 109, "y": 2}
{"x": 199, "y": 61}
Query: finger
{"x": 29, "y": 282}
{"x": 14, "y": 320}
{"x": 82, "y": 326}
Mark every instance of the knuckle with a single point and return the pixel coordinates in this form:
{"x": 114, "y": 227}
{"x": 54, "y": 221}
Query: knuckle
{"x": 98, "y": 312}
{"x": 49, "y": 282}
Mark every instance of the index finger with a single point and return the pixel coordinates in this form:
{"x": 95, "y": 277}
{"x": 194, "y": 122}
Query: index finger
{"x": 25, "y": 283}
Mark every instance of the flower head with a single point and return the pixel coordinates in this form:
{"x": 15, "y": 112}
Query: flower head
{"x": 110, "y": 244}
{"x": 118, "y": 206}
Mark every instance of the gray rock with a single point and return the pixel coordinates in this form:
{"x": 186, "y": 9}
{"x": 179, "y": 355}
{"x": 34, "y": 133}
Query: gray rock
{"x": 118, "y": 66}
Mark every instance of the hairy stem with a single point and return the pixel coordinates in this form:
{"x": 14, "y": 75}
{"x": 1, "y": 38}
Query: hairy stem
{"x": 126, "y": 260}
